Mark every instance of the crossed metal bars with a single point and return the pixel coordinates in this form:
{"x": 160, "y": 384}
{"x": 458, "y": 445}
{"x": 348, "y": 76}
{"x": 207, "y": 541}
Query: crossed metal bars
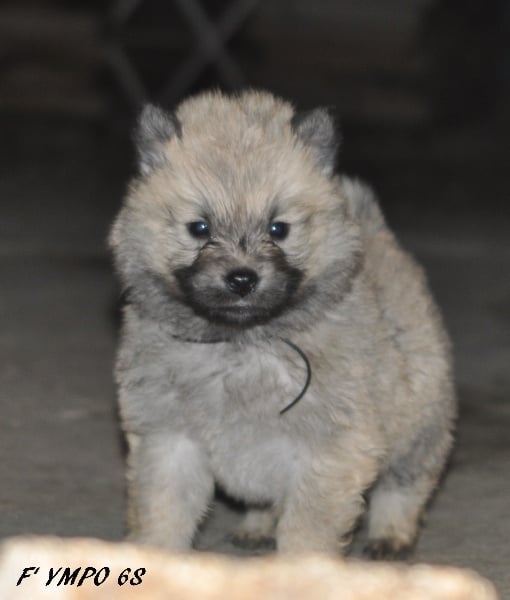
{"x": 211, "y": 47}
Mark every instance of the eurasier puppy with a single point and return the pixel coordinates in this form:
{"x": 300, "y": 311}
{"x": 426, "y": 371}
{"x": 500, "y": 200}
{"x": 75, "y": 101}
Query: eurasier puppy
{"x": 276, "y": 338}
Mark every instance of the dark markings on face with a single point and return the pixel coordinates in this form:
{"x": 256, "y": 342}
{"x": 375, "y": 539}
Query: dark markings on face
{"x": 218, "y": 304}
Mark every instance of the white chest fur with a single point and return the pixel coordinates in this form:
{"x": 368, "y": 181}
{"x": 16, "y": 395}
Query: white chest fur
{"x": 235, "y": 415}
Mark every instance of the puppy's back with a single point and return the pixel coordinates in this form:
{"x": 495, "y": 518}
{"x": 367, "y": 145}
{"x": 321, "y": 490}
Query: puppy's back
{"x": 403, "y": 296}
{"x": 362, "y": 206}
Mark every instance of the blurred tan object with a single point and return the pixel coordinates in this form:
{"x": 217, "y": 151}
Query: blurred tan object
{"x": 110, "y": 571}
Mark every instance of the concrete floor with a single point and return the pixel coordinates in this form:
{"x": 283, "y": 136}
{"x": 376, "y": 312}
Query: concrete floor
{"x": 62, "y": 467}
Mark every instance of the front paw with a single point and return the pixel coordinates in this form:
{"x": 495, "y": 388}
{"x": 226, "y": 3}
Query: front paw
{"x": 387, "y": 549}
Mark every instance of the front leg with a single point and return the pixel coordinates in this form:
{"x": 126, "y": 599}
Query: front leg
{"x": 323, "y": 506}
{"x": 170, "y": 486}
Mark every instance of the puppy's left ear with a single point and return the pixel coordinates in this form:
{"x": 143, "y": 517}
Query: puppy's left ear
{"x": 317, "y": 129}
{"x": 154, "y": 129}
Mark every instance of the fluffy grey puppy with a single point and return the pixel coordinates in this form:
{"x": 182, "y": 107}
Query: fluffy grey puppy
{"x": 276, "y": 339}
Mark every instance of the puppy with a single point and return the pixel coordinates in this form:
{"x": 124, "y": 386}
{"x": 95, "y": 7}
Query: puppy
{"x": 276, "y": 339}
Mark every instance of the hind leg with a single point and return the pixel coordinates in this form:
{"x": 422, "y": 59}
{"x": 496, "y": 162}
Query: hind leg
{"x": 399, "y": 498}
{"x": 394, "y": 516}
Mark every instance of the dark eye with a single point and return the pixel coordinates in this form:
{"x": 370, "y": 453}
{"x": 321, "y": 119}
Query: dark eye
{"x": 198, "y": 229}
{"x": 279, "y": 230}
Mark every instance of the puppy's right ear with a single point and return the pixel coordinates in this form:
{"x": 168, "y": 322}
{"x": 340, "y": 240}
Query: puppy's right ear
{"x": 154, "y": 129}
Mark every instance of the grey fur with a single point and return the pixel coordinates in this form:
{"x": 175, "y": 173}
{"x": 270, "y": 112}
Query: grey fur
{"x": 317, "y": 129}
{"x": 155, "y": 127}
{"x": 379, "y": 412}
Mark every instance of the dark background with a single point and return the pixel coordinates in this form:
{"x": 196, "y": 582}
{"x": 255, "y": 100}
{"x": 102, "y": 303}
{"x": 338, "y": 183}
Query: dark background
{"x": 420, "y": 87}
{"x": 421, "y": 91}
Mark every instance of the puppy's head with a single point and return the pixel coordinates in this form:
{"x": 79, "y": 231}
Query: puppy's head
{"x": 236, "y": 214}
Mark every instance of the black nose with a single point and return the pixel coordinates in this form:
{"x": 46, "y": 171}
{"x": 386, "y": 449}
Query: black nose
{"x": 242, "y": 281}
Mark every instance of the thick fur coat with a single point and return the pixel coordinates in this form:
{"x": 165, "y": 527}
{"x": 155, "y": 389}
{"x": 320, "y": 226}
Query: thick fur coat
{"x": 239, "y": 250}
